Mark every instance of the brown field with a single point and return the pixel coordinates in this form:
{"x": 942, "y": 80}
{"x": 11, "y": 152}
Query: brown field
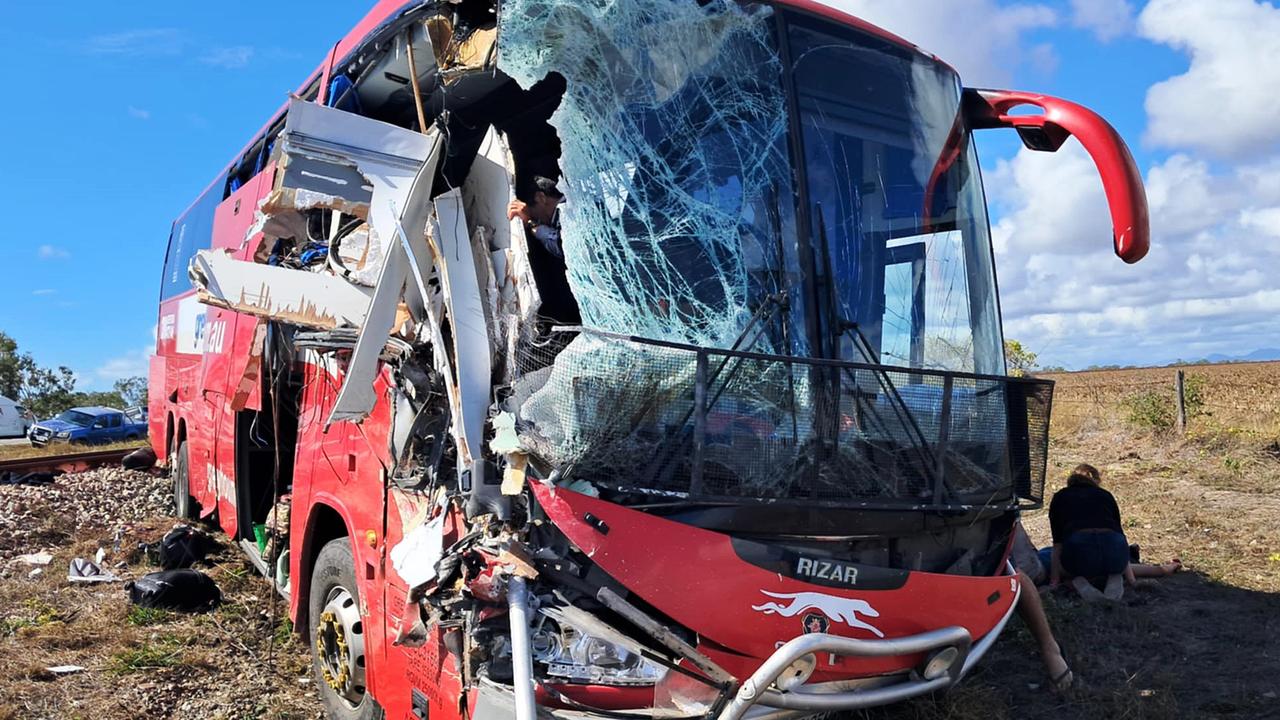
{"x": 1241, "y": 399}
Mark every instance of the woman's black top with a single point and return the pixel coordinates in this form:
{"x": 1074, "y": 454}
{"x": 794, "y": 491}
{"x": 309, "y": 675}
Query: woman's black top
{"x": 1082, "y": 507}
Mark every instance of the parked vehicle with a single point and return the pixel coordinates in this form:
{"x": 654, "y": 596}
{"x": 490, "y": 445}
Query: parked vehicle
{"x": 15, "y": 420}
{"x": 88, "y": 426}
{"x": 731, "y": 438}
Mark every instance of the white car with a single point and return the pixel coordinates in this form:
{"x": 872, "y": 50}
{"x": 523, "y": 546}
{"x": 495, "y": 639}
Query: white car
{"x": 14, "y": 419}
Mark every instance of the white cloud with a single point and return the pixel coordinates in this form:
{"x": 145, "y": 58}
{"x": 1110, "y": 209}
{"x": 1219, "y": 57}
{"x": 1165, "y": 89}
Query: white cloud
{"x": 985, "y": 58}
{"x": 134, "y": 363}
{"x": 1226, "y": 102}
{"x": 51, "y": 252}
{"x": 1107, "y": 19}
{"x": 44, "y": 292}
{"x": 1053, "y": 202}
{"x": 231, "y": 58}
{"x": 143, "y": 42}
{"x": 1207, "y": 285}
{"x": 139, "y": 113}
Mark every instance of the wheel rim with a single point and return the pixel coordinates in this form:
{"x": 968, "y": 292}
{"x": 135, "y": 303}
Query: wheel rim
{"x": 339, "y": 646}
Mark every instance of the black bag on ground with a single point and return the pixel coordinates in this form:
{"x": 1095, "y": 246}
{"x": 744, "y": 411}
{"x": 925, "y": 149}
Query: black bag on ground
{"x": 31, "y": 478}
{"x": 184, "y": 546}
{"x": 183, "y": 590}
{"x": 141, "y": 459}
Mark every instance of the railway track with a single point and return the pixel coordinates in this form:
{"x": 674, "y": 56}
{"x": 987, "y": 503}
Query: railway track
{"x": 71, "y": 462}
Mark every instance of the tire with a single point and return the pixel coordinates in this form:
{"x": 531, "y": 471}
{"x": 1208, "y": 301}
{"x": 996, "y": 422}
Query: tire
{"x": 184, "y": 506}
{"x": 334, "y": 591}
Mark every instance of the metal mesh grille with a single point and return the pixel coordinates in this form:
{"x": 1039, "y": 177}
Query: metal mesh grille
{"x": 1032, "y": 400}
{"x": 670, "y": 420}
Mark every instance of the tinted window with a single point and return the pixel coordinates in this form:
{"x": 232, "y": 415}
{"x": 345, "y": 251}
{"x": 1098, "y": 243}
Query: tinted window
{"x": 193, "y": 231}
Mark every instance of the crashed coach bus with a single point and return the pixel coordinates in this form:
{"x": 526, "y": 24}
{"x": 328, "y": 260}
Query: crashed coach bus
{"x": 731, "y": 438}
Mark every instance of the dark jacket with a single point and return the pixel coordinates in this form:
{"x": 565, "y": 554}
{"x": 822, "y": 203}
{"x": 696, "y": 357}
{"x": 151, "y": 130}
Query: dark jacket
{"x": 1082, "y": 507}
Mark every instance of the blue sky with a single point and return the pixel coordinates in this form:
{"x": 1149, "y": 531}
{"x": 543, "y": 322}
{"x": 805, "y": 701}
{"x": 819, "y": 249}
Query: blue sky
{"x": 119, "y": 114}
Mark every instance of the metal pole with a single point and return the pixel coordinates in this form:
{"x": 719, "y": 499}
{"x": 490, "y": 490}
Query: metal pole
{"x": 1182, "y": 402}
{"x": 699, "y": 421}
{"x": 413, "y": 77}
{"x": 521, "y": 655}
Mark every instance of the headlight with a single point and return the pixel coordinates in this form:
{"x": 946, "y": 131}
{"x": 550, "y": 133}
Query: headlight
{"x": 577, "y": 655}
{"x": 63, "y": 435}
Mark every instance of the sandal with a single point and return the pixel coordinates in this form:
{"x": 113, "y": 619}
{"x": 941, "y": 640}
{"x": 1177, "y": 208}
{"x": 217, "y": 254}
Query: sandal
{"x": 1063, "y": 680}
{"x": 1062, "y": 683}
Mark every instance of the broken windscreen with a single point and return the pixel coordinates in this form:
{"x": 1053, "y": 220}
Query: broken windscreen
{"x": 748, "y": 179}
{"x": 679, "y": 220}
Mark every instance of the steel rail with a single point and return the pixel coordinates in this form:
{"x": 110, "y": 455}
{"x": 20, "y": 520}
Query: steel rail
{"x": 71, "y": 462}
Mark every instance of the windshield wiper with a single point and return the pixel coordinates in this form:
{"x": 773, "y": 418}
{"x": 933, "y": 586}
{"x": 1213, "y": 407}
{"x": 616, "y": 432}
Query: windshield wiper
{"x": 840, "y": 327}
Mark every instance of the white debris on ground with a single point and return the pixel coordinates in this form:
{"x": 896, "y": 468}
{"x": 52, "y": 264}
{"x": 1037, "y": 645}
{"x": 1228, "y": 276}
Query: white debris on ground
{"x": 33, "y": 517}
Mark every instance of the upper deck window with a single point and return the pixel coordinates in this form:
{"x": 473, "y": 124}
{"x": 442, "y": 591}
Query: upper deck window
{"x": 193, "y": 231}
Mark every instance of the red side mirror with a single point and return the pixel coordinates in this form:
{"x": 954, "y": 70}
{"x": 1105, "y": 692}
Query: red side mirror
{"x": 1047, "y": 132}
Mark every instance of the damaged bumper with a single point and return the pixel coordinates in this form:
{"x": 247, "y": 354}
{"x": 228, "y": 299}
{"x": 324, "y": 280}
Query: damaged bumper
{"x": 946, "y": 649}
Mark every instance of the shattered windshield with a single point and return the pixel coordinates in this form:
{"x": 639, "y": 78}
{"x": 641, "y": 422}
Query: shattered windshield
{"x": 680, "y": 216}
{"x": 735, "y": 349}
{"x": 678, "y": 163}
{"x": 896, "y": 206}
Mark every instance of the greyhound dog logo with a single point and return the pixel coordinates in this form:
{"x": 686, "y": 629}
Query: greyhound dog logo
{"x": 845, "y": 610}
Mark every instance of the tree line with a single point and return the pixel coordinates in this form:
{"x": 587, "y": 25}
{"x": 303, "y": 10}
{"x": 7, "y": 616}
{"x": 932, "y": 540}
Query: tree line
{"x": 47, "y": 391}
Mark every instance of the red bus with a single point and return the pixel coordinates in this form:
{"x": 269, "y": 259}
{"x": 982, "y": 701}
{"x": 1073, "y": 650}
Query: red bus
{"x": 595, "y": 359}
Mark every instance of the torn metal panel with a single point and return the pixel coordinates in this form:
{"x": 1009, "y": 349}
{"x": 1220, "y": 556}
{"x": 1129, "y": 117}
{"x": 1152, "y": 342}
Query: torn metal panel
{"x": 451, "y": 249}
{"x": 248, "y": 388}
{"x": 356, "y": 399}
{"x": 490, "y": 187}
{"x": 334, "y": 160}
{"x": 314, "y": 300}
{"x": 382, "y": 151}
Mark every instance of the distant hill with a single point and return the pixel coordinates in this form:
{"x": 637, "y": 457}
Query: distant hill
{"x": 1262, "y": 355}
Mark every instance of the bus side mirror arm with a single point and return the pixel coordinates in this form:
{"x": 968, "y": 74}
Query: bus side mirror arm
{"x": 1047, "y": 131}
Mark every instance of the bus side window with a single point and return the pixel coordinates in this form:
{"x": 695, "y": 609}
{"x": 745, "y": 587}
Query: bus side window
{"x": 254, "y": 160}
{"x": 193, "y": 231}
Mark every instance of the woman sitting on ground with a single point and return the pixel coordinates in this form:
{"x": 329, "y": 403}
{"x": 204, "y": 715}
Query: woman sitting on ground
{"x": 1088, "y": 541}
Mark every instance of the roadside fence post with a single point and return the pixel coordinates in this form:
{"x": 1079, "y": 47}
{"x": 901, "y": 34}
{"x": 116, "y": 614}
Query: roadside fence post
{"x": 1182, "y": 402}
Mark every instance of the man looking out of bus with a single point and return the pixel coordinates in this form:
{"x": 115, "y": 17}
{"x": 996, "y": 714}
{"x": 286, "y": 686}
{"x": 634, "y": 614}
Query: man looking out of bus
{"x": 540, "y": 212}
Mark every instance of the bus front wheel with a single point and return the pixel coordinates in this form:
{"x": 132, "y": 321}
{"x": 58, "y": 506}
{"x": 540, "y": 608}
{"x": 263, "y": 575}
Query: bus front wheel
{"x": 337, "y": 635}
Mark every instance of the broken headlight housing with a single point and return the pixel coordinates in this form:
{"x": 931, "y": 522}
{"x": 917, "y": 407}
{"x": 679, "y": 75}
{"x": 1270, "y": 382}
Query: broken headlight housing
{"x": 596, "y": 655}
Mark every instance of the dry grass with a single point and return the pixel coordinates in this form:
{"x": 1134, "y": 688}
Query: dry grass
{"x": 238, "y": 661}
{"x": 15, "y": 452}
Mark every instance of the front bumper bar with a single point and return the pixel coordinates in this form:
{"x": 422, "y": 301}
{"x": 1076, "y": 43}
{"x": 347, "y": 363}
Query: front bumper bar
{"x": 755, "y": 689}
